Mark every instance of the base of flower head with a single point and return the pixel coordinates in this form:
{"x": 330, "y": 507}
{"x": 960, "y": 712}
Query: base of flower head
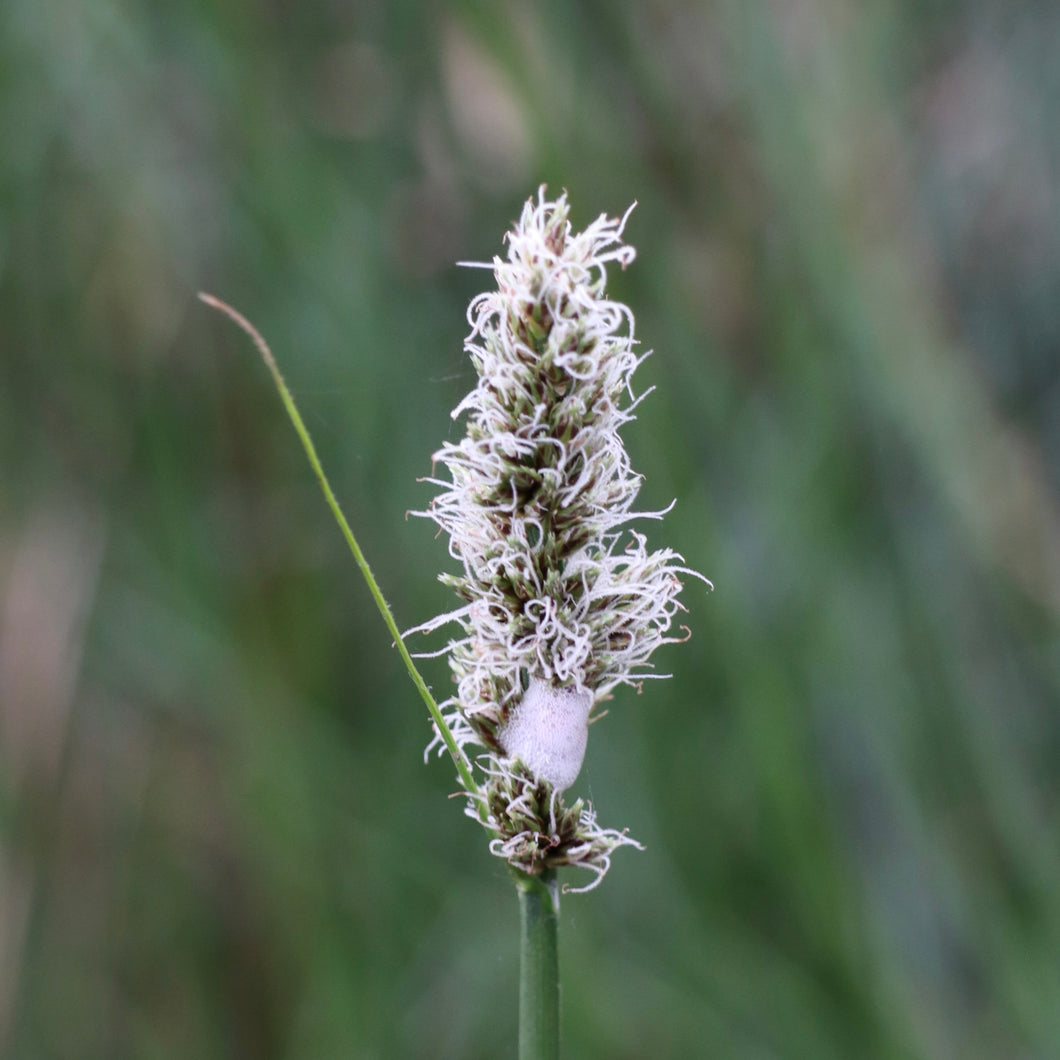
{"x": 534, "y": 830}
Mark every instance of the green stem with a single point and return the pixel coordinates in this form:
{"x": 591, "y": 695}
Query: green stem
{"x": 463, "y": 767}
{"x": 538, "y": 967}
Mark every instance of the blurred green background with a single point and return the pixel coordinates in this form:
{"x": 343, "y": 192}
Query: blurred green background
{"x": 217, "y": 834}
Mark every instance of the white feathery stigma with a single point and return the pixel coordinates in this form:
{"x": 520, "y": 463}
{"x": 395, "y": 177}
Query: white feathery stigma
{"x": 562, "y": 602}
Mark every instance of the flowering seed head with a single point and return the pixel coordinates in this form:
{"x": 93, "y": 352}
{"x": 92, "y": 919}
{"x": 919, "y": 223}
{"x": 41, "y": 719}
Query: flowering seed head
{"x": 561, "y": 604}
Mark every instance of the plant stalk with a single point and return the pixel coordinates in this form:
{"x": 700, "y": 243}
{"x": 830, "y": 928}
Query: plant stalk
{"x": 538, "y": 967}
{"x": 463, "y": 766}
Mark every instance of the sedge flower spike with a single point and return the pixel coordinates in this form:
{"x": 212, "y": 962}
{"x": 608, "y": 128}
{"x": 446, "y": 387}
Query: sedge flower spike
{"x": 562, "y": 601}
